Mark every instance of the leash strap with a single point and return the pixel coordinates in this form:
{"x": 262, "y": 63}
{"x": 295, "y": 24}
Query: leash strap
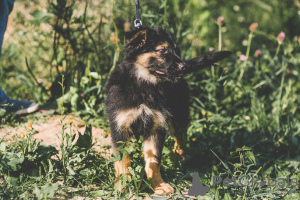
{"x": 137, "y": 21}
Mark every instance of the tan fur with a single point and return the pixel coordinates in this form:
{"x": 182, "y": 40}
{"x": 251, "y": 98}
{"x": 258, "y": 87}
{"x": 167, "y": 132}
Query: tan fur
{"x": 143, "y": 34}
{"x": 177, "y": 148}
{"x": 142, "y": 63}
{"x": 121, "y": 166}
{"x": 142, "y": 72}
{"x": 162, "y": 46}
{"x": 159, "y": 119}
{"x": 179, "y": 141}
{"x": 152, "y": 167}
{"x": 126, "y": 117}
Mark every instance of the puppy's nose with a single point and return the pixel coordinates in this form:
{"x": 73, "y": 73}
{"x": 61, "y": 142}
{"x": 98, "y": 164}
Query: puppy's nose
{"x": 182, "y": 66}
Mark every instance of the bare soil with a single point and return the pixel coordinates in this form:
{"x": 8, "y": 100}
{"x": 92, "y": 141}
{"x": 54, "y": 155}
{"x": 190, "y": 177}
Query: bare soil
{"x": 48, "y": 129}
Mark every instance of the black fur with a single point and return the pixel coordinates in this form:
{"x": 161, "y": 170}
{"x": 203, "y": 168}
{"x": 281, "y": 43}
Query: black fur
{"x": 166, "y": 92}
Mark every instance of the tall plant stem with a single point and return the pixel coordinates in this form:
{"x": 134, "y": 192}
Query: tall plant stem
{"x": 117, "y": 53}
{"x": 247, "y": 56}
{"x": 220, "y": 38}
{"x": 276, "y": 54}
{"x": 249, "y": 45}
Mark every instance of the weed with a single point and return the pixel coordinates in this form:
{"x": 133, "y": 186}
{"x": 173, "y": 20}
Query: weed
{"x": 243, "y": 119}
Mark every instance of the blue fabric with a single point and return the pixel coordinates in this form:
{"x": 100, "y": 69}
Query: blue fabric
{"x": 3, "y": 97}
{"x": 5, "y": 8}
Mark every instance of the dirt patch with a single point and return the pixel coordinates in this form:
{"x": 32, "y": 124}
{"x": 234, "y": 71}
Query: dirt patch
{"x": 48, "y": 130}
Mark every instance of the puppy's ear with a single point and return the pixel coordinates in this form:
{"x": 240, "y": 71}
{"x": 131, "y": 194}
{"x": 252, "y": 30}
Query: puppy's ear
{"x": 205, "y": 61}
{"x": 136, "y": 38}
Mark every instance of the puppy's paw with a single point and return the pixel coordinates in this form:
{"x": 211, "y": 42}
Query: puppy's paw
{"x": 163, "y": 188}
{"x": 118, "y": 184}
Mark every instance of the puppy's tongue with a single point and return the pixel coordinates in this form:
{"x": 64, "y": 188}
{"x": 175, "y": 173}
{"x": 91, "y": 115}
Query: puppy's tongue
{"x": 159, "y": 72}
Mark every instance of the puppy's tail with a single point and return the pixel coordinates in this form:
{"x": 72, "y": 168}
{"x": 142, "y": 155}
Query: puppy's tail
{"x": 206, "y": 60}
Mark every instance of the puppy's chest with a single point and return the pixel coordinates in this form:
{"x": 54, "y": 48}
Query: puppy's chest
{"x": 148, "y": 110}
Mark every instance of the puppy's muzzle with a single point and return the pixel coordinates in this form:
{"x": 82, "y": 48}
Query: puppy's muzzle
{"x": 180, "y": 68}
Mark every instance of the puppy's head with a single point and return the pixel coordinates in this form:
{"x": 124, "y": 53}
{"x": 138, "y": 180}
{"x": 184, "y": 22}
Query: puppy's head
{"x": 155, "y": 55}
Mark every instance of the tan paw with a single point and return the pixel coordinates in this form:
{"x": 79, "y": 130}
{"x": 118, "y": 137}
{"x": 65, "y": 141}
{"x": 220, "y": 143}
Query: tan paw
{"x": 118, "y": 185}
{"x": 163, "y": 188}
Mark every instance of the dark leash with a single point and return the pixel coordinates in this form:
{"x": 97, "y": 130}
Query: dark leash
{"x": 137, "y": 21}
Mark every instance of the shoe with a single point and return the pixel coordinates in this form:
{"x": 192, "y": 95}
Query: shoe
{"x": 20, "y": 107}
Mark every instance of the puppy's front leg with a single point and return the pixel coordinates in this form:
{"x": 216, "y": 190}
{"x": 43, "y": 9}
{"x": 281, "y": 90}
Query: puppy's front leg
{"x": 152, "y": 153}
{"x": 121, "y": 166}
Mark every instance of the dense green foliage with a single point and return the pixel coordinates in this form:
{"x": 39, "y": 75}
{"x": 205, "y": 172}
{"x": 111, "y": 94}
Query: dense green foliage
{"x": 243, "y": 117}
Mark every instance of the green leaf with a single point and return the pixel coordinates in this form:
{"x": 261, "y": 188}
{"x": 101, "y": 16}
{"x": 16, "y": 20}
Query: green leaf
{"x": 74, "y": 101}
{"x": 46, "y": 191}
{"x": 2, "y": 147}
{"x": 223, "y": 163}
{"x": 2, "y": 112}
{"x": 85, "y": 140}
{"x": 14, "y": 160}
{"x": 40, "y": 16}
{"x": 294, "y": 162}
{"x": 114, "y": 159}
{"x": 71, "y": 171}
{"x": 227, "y": 196}
{"x": 95, "y": 75}
{"x": 84, "y": 80}
{"x": 131, "y": 171}
{"x": 86, "y": 172}
{"x": 251, "y": 156}
{"x": 246, "y": 148}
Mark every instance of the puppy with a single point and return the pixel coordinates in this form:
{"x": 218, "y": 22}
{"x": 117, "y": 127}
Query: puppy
{"x": 146, "y": 93}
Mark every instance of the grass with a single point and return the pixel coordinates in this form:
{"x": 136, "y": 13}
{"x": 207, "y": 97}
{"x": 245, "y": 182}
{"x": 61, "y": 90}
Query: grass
{"x": 243, "y": 113}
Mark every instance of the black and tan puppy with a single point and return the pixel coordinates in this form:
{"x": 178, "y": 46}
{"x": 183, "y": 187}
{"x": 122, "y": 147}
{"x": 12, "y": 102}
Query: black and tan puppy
{"x": 147, "y": 92}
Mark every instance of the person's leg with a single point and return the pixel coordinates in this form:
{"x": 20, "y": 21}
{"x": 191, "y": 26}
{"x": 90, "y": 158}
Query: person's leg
{"x": 3, "y": 97}
{"x": 15, "y": 106}
{"x": 5, "y": 8}
{"x": 20, "y": 107}
{"x": 4, "y": 12}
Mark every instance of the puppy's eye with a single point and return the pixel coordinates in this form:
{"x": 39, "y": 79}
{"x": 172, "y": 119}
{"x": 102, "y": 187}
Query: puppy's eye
{"x": 162, "y": 51}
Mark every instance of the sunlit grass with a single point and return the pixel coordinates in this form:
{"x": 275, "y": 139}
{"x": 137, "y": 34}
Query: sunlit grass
{"x": 243, "y": 113}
